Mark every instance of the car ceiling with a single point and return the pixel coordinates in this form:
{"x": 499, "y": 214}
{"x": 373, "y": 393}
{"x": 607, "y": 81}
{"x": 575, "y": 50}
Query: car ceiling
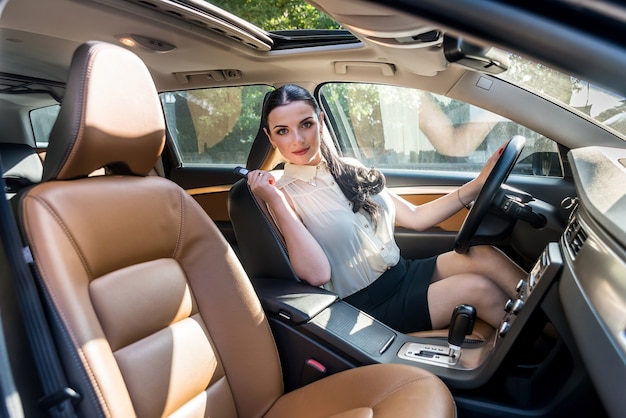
{"x": 53, "y": 29}
{"x": 38, "y": 38}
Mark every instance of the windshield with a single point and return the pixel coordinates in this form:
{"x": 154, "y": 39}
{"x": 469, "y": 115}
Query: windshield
{"x": 606, "y": 108}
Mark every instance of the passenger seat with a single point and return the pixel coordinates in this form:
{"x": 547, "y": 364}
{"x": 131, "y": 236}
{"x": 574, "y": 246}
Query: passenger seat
{"x": 153, "y": 312}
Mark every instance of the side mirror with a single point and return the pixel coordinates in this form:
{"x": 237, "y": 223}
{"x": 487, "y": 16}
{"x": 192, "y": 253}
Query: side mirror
{"x": 547, "y": 164}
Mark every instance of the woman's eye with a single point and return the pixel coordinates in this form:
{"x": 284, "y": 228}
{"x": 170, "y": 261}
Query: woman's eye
{"x": 307, "y": 124}
{"x": 281, "y": 131}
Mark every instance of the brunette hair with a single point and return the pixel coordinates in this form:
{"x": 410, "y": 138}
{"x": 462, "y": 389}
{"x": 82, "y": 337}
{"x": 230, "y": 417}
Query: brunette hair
{"x": 357, "y": 183}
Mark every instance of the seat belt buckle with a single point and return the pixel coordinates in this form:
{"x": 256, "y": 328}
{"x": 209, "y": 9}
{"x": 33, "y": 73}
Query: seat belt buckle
{"x": 58, "y": 397}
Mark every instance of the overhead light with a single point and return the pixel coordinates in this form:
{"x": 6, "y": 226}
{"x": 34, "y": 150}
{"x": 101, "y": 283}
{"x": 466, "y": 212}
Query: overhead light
{"x": 145, "y": 43}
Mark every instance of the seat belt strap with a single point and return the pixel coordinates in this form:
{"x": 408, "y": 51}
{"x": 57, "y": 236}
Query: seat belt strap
{"x": 58, "y": 397}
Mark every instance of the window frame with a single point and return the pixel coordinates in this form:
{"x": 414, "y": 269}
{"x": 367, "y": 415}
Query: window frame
{"x": 345, "y": 141}
{"x": 249, "y": 113}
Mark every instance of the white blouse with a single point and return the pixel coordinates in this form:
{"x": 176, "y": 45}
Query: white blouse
{"x": 358, "y": 250}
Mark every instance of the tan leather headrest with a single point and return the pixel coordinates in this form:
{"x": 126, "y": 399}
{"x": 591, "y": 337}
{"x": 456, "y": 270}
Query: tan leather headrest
{"x": 110, "y": 117}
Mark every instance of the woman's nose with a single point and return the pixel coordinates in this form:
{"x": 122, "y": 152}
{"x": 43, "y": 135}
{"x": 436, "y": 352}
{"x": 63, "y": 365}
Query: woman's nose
{"x": 298, "y": 137}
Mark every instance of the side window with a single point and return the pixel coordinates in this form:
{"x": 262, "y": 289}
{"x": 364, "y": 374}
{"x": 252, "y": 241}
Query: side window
{"x": 42, "y": 120}
{"x": 216, "y": 125}
{"x": 394, "y": 127}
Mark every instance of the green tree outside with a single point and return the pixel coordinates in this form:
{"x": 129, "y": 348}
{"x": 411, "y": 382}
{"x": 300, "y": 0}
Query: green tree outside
{"x": 278, "y": 14}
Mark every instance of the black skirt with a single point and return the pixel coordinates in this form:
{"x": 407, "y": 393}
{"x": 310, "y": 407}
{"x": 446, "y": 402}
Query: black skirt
{"x": 399, "y": 297}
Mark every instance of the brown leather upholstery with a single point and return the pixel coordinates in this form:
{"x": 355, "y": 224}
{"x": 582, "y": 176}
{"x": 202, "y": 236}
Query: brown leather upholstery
{"x": 151, "y": 309}
{"x": 120, "y": 118}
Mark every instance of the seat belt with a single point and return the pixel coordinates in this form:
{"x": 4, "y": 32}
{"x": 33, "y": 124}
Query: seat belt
{"x": 12, "y": 405}
{"x": 59, "y": 399}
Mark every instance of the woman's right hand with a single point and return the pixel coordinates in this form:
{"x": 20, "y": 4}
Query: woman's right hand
{"x": 305, "y": 254}
{"x": 263, "y": 185}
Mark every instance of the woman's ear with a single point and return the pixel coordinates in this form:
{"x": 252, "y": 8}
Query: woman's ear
{"x": 269, "y": 137}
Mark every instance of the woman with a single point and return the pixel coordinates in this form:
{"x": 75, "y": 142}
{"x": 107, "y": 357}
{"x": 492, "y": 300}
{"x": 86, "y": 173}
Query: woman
{"x": 338, "y": 218}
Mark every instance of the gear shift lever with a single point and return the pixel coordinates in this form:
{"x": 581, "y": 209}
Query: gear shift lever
{"x": 461, "y": 324}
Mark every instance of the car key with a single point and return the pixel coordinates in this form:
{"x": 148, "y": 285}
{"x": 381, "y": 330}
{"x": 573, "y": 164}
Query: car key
{"x": 242, "y": 171}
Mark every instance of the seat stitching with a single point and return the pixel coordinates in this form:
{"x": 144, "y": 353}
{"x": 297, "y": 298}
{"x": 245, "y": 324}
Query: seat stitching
{"x": 67, "y": 233}
{"x": 67, "y": 330}
{"x": 76, "y": 353}
{"x": 78, "y": 125}
{"x": 95, "y": 385}
{"x": 396, "y": 388}
{"x": 181, "y": 222}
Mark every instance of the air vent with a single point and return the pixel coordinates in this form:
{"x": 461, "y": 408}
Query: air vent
{"x": 575, "y": 237}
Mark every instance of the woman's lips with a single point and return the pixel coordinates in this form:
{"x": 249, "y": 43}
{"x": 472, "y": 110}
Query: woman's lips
{"x": 301, "y": 151}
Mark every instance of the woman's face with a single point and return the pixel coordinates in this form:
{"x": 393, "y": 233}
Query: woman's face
{"x": 296, "y": 131}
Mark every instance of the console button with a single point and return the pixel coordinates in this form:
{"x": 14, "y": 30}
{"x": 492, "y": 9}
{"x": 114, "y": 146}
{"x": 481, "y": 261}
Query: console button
{"x": 508, "y": 306}
{"x": 504, "y": 328}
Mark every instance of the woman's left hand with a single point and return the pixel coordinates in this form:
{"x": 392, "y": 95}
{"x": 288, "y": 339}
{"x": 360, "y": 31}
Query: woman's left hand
{"x": 473, "y": 187}
{"x": 491, "y": 162}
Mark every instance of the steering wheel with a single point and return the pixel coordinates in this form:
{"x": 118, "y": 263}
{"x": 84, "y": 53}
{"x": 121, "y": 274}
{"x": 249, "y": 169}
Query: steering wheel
{"x": 498, "y": 175}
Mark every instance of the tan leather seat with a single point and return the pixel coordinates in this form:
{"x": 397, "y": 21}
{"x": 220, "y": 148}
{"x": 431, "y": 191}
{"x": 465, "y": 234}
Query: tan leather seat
{"x": 152, "y": 311}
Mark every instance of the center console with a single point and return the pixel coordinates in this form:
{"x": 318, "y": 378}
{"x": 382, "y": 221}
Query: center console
{"x": 312, "y": 326}
{"x": 540, "y": 277}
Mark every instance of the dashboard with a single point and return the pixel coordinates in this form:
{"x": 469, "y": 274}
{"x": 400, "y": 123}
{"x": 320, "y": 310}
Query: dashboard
{"x": 593, "y": 284}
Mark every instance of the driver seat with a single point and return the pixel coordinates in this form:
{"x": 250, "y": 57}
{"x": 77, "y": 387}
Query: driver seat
{"x": 151, "y": 310}
{"x": 253, "y": 224}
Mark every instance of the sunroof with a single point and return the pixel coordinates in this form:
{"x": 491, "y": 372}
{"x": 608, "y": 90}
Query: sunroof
{"x": 290, "y": 23}
{"x": 278, "y": 15}
{"x": 262, "y": 25}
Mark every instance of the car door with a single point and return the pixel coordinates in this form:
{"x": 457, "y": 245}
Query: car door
{"x": 428, "y": 145}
